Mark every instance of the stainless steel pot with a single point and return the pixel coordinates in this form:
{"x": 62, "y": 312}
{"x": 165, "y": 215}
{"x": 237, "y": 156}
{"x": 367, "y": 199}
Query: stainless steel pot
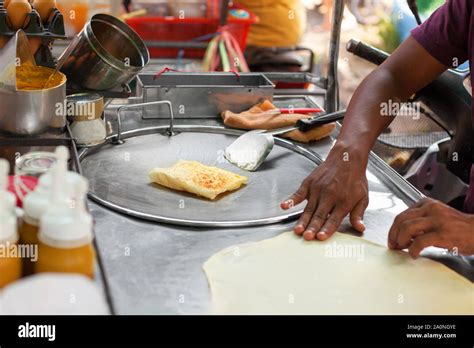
{"x": 106, "y": 54}
{"x": 26, "y": 112}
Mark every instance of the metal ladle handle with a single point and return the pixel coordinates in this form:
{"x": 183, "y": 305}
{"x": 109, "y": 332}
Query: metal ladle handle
{"x": 307, "y": 124}
{"x": 118, "y": 139}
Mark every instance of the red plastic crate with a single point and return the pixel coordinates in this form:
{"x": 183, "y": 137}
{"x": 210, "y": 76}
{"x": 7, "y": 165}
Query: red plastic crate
{"x": 187, "y": 29}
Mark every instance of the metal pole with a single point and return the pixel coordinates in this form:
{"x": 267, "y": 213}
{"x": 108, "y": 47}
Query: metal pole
{"x": 332, "y": 95}
{"x": 414, "y": 9}
{"x": 224, "y": 12}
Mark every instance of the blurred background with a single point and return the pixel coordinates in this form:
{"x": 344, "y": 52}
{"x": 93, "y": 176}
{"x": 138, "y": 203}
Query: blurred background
{"x": 274, "y": 35}
{"x": 381, "y": 23}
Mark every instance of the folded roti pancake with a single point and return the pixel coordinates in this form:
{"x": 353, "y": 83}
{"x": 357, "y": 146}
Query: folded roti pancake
{"x": 197, "y": 178}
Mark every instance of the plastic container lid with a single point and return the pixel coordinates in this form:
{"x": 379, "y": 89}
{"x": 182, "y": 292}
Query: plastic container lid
{"x": 67, "y": 224}
{"x": 8, "y": 223}
{"x": 37, "y": 202}
{"x": 35, "y": 163}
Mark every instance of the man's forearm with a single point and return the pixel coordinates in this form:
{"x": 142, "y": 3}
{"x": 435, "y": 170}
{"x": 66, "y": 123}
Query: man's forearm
{"x": 363, "y": 122}
{"x": 395, "y": 80}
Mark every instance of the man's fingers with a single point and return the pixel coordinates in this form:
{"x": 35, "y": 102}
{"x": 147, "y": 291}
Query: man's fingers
{"x": 297, "y": 198}
{"x": 307, "y": 214}
{"x": 332, "y": 223}
{"x": 325, "y": 206}
{"x": 357, "y": 214}
{"x": 409, "y": 214}
{"x": 410, "y": 229}
{"x": 423, "y": 241}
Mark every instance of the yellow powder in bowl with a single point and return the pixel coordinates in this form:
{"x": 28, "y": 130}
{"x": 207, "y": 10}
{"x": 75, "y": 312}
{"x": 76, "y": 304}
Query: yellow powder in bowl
{"x": 29, "y": 77}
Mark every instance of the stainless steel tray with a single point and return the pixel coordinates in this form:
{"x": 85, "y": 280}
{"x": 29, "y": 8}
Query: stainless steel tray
{"x": 118, "y": 176}
{"x": 201, "y": 95}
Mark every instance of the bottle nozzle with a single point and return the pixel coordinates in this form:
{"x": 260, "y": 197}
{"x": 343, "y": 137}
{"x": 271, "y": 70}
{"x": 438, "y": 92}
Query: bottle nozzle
{"x": 62, "y": 155}
{"x": 82, "y": 186}
{"x": 4, "y": 171}
{"x": 59, "y": 171}
{"x": 80, "y": 191}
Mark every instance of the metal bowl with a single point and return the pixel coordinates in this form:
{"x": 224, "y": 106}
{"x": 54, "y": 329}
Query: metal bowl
{"x": 106, "y": 54}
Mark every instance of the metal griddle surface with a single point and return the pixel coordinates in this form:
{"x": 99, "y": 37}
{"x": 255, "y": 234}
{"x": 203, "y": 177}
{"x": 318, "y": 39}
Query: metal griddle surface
{"x": 119, "y": 180}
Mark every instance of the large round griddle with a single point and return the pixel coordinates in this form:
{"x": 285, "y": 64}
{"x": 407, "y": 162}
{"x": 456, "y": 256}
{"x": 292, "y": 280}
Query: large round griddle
{"x": 118, "y": 176}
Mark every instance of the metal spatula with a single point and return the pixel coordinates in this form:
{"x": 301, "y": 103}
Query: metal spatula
{"x": 16, "y": 51}
{"x": 250, "y": 150}
{"x": 62, "y": 59}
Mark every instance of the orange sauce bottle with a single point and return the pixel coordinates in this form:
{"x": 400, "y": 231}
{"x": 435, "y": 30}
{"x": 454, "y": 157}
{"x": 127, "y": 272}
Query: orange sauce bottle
{"x": 65, "y": 235}
{"x": 10, "y": 260}
{"x": 37, "y": 202}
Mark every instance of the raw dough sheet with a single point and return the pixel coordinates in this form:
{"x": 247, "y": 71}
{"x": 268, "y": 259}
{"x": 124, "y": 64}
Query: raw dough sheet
{"x": 343, "y": 275}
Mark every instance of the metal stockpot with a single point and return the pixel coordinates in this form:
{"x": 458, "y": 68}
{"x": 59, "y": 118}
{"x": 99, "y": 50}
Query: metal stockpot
{"x": 26, "y": 112}
{"x": 106, "y": 54}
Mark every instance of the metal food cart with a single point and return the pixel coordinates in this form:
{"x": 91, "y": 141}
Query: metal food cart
{"x": 151, "y": 252}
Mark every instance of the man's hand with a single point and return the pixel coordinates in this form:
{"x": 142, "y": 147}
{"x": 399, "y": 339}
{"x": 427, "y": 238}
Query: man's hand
{"x": 333, "y": 190}
{"x": 432, "y": 223}
{"x": 339, "y": 186}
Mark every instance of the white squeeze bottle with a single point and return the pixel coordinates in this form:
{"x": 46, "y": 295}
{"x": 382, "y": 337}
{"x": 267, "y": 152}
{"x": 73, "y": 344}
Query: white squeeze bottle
{"x": 7, "y": 195}
{"x": 37, "y": 202}
{"x": 10, "y": 260}
{"x": 66, "y": 231}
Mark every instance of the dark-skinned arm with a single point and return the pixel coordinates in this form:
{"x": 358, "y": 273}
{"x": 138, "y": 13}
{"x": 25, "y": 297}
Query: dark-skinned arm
{"x": 339, "y": 186}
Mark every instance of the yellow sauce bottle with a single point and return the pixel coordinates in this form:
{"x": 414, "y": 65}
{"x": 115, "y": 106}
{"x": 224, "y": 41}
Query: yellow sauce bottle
{"x": 10, "y": 260}
{"x": 34, "y": 205}
{"x": 65, "y": 236}
{"x": 37, "y": 202}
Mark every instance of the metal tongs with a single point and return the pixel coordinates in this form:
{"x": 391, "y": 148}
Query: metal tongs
{"x": 251, "y": 149}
